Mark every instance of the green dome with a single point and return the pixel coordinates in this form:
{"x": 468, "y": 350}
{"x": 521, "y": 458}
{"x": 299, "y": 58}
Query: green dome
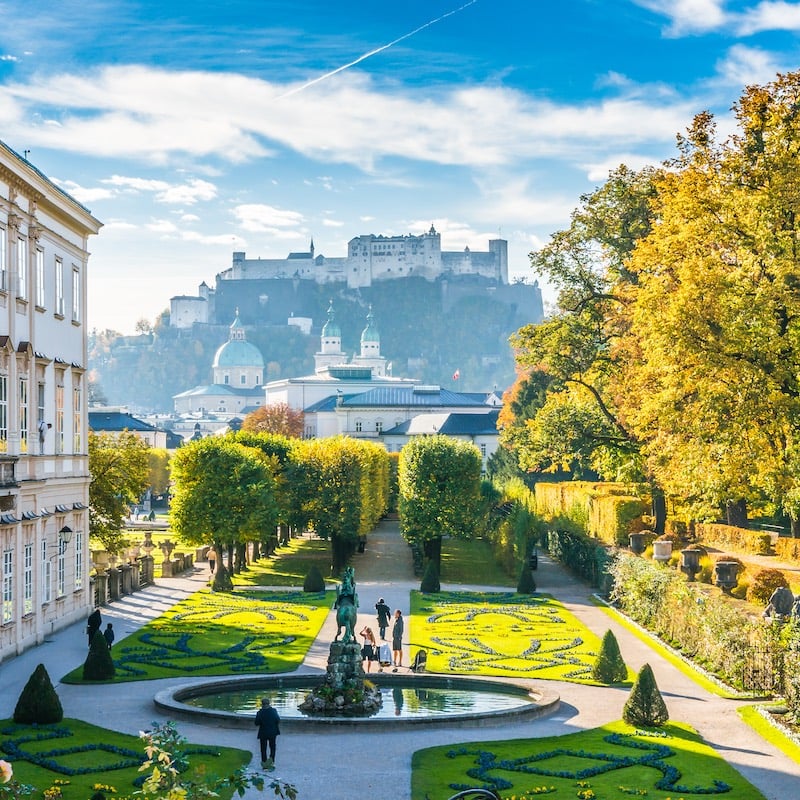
{"x": 238, "y": 353}
{"x": 331, "y": 327}
{"x": 370, "y": 333}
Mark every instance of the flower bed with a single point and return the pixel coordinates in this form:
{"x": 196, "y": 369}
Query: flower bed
{"x": 502, "y": 634}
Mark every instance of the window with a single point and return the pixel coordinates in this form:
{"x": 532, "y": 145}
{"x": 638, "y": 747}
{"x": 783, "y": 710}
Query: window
{"x": 243, "y": 379}
{"x": 483, "y": 450}
{"x": 3, "y": 260}
{"x": 8, "y": 586}
{"x": 59, "y": 276}
{"x": 379, "y": 426}
{"x": 22, "y": 268}
{"x": 60, "y": 418}
{"x": 40, "y": 278}
{"x": 40, "y": 403}
{"x": 27, "y": 580}
{"x": 23, "y": 415}
{"x": 227, "y": 379}
{"x": 76, "y": 294}
{"x": 358, "y": 426}
{"x": 61, "y": 572}
{"x": 79, "y": 560}
{"x": 46, "y": 589}
{"x": 3, "y": 413}
{"x": 77, "y": 432}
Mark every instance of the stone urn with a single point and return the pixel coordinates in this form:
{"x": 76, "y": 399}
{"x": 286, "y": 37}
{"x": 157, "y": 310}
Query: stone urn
{"x": 726, "y": 575}
{"x": 167, "y": 547}
{"x": 690, "y": 562}
{"x": 662, "y": 550}
{"x": 100, "y": 561}
{"x": 637, "y": 542}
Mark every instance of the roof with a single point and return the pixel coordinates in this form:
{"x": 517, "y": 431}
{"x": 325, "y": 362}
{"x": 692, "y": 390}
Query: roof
{"x": 117, "y": 421}
{"x": 238, "y": 353}
{"x": 220, "y": 388}
{"x": 453, "y": 424}
{"x": 411, "y": 396}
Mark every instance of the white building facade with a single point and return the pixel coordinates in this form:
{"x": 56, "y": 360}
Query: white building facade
{"x": 44, "y": 464}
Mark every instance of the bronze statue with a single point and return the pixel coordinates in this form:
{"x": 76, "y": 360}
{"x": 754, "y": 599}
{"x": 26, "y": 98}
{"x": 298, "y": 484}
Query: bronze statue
{"x": 346, "y": 606}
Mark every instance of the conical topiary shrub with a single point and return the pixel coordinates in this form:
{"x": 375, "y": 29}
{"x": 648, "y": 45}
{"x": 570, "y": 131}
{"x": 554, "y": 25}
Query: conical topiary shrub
{"x": 314, "y": 582}
{"x": 99, "y": 666}
{"x": 430, "y": 580}
{"x": 609, "y": 666}
{"x": 526, "y": 584}
{"x": 645, "y": 706}
{"x": 38, "y": 703}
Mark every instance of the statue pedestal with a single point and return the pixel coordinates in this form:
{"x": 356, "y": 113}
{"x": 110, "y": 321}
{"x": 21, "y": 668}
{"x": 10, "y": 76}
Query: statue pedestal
{"x": 344, "y": 692}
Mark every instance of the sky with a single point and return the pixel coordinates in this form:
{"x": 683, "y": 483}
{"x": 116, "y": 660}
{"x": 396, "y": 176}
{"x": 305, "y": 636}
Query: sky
{"x": 195, "y": 129}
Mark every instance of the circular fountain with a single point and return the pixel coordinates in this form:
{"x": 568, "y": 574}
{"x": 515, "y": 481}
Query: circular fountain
{"x": 409, "y": 700}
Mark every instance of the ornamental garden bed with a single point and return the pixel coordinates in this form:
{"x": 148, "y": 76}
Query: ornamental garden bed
{"x": 212, "y": 633}
{"x": 614, "y": 762}
{"x": 502, "y": 634}
{"x": 73, "y": 759}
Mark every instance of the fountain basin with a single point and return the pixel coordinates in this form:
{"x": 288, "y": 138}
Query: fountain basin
{"x": 520, "y": 700}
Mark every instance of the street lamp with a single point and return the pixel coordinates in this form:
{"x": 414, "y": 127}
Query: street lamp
{"x": 64, "y": 537}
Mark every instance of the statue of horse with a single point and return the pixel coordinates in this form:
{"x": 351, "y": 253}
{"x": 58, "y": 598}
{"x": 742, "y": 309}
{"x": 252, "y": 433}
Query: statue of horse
{"x": 346, "y": 615}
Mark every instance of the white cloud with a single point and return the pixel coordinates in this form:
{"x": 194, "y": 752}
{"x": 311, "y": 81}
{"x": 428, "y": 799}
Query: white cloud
{"x": 744, "y": 66}
{"x": 260, "y": 218}
{"x": 6, "y": 57}
{"x": 332, "y": 223}
{"x": 769, "y": 15}
{"x": 84, "y": 194}
{"x": 138, "y": 184}
{"x": 597, "y": 172}
{"x": 162, "y": 226}
{"x": 189, "y": 193}
{"x": 189, "y": 218}
{"x": 688, "y": 16}
{"x": 151, "y": 114}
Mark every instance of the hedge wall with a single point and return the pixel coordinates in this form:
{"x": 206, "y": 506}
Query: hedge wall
{"x": 607, "y": 511}
{"x": 787, "y": 549}
{"x": 586, "y": 557}
{"x": 728, "y": 537}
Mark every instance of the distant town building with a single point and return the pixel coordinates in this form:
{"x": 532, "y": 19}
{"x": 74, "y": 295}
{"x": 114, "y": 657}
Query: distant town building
{"x": 115, "y": 421}
{"x": 44, "y": 465}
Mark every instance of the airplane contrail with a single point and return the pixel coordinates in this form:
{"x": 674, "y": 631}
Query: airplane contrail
{"x": 375, "y": 51}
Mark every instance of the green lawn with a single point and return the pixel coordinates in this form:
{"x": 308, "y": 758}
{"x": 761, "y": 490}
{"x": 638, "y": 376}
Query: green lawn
{"x": 483, "y": 633}
{"x": 289, "y": 565}
{"x": 222, "y": 634}
{"x": 77, "y": 756}
{"x": 615, "y": 762}
{"x": 471, "y": 561}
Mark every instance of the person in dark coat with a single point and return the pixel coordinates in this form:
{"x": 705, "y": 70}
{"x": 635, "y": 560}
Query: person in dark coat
{"x": 384, "y": 614}
{"x": 93, "y": 624}
{"x": 397, "y": 640}
{"x": 268, "y": 723}
{"x": 108, "y": 633}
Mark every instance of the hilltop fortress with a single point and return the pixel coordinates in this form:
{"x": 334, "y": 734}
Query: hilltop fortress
{"x": 370, "y": 260}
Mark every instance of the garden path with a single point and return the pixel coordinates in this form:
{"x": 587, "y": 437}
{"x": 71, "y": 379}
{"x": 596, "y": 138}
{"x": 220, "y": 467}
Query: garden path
{"x": 313, "y": 761}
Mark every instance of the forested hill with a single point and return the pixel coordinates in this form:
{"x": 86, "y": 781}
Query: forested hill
{"x": 427, "y": 331}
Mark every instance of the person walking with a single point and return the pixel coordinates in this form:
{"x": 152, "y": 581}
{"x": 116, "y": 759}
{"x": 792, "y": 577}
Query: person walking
{"x": 108, "y": 634}
{"x": 384, "y": 615}
{"x": 212, "y": 560}
{"x": 93, "y": 624}
{"x": 268, "y": 723}
{"x": 397, "y": 640}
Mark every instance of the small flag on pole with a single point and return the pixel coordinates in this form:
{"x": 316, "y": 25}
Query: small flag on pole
{"x": 456, "y": 374}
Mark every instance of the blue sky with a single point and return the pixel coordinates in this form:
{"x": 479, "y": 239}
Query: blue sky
{"x": 193, "y": 129}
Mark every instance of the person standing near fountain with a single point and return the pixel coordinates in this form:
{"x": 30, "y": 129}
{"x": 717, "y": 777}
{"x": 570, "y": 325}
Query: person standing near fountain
{"x": 397, "y": 640}
{"x": 268, "y": 723}
{"x": 384, "y": 615}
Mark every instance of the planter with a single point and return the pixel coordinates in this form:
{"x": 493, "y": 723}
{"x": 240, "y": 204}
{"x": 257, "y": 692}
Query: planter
{"x": 690, "y": 562}
{"x": 637, "y": 543}
{"x": 662, "y": 550}
{"x": 726, "y": 575}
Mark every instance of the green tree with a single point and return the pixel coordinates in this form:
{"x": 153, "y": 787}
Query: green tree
{"x": 38, "y": 704}
{"x": 645, "y": 707}
{"x": 158, "y": 461}
{"x": 223, "y": 493}
{"x": 440, "y": 492}
{"x": 609, "y": 666}
{"x": 119, "y": 475}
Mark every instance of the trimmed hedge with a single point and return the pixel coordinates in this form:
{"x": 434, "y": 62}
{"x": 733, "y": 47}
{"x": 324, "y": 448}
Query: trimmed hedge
{"x": 729, "y": 537}
{"x": 788, "y": 549}
{"x": 587, "y": 558}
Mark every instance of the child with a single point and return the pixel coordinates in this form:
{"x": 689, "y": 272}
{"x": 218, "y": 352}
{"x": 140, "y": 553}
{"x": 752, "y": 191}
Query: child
{"x": 109, "y": 635}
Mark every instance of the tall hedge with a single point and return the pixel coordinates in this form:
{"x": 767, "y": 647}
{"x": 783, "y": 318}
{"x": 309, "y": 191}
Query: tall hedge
{"x": 38, "y": 704}
{"x": 99, "y": 666}
{"x": 586, "y": 557}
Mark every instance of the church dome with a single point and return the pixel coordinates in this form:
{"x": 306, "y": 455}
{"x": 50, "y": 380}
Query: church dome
{"x": 238, "y": 353}
{"x": 370, "y": 333}
{"x": 331, "y": 327}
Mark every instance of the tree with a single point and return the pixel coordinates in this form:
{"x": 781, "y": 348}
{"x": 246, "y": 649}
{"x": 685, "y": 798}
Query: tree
{"x": 440, "y": 492}
{"x": 119, "y": 475}
{"x": 223, "y": 493}
{"x": 99, "y": 666}
{"x": 645, "y": 707}
{"x": 38, "y": 703}
{"x": 609, "y": 666}
{"x": 158, "y": 464}
{"x": 279, "y": 418}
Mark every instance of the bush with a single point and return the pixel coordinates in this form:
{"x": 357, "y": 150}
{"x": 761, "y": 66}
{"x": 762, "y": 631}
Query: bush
{"x": 314, "y": 582}
{"x": 609, "y": 666}
{"x": 645, "y": 706}
{"x": 765, "y": 582}
{"x": 430, "y": 580}
{"x": 526, "y": 584}
{"x": 99, "y": 666}
{"x": 38, "y": 704}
